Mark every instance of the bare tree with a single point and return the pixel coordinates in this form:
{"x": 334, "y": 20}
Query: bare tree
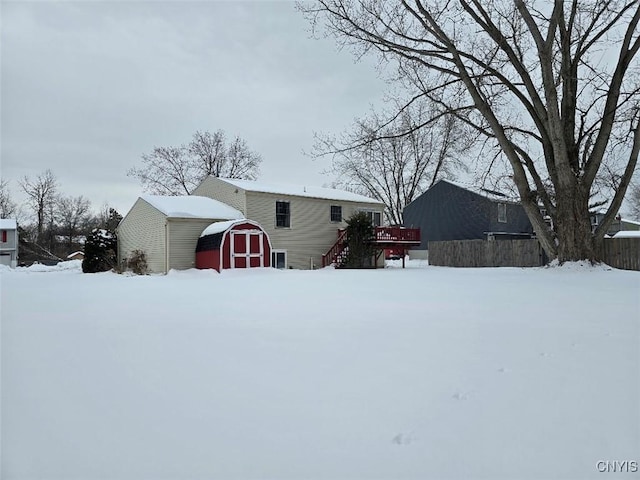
{"x": 108, "y": 218}
{"x": 394, "y": 160}
{"x": 553, "y": 86}
{"x": 241, "y": 162}
{"x": 41, "y": 193}
{"x": 635, "y": 201}
{"x": 178, "y": 170}
{"x": 8, "y": 208}
{"x": 210, "y": 150}
{"x": 165, "y": 171}
{"x": 72, "y": 215}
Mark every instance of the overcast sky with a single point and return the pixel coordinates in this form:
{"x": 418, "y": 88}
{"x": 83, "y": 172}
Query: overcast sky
{"x": 89, "y": 86}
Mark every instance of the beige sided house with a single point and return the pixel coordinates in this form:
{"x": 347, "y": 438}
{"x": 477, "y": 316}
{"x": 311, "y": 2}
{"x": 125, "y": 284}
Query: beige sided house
{"x": 167, "y": 229}
{"x": 302, "y": 222}
{"x": 9, "y": 242}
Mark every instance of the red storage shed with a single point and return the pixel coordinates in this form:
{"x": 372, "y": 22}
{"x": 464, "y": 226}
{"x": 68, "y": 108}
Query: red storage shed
{"x": 233, "y": 244}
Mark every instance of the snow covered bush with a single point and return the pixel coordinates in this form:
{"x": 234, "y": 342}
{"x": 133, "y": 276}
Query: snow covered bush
{"x": 137, "y": 262}
{"x": 100, "y": 251}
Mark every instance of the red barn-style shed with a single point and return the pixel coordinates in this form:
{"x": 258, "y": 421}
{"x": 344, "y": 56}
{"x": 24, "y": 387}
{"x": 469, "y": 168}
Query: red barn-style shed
{"x": 233, "y": 244}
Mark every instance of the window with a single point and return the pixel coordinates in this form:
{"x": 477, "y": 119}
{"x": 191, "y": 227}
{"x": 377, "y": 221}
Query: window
{"x": 502, "y": 213}
{"x": 375, "y": 217}
{"x": 283, "y": 214}
{"x": 279, "y": 259}
{"x": 4, "y": 236}
{"x": 336, "y": 213}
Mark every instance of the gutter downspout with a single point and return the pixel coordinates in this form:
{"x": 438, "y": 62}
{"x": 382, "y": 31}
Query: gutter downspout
{"x": 166, "y": 246}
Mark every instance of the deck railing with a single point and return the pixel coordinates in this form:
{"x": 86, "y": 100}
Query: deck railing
{"x": 384, "y": 237}
{"x": 397, "y": 235}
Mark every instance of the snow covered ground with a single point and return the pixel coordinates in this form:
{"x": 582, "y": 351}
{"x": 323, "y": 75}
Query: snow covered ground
{"x": 425, "y": 372}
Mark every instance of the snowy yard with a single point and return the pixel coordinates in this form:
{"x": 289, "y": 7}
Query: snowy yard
{"x": 332, "y": 374}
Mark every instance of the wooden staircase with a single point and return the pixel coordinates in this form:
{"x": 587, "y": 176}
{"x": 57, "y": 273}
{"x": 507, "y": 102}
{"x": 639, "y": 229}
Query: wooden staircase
{"x": 384, "y": 237}
{"x": 337, "y": 254}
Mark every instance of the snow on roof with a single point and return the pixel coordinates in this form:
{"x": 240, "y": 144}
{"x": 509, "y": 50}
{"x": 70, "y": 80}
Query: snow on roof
{"x": 485, "y": 192}
{"x": 192, "y": 207}
{"x": 8, "y": 224}
{"x": 75, "y": 253}
{"x": 627, "y": 234}
{"x": 219, "y": 227}
{"x": 300, "y": 191}
{"x": 632, "y": 222}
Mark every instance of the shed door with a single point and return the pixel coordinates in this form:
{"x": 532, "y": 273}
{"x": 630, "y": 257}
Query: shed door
{"x": 248, "y": 248}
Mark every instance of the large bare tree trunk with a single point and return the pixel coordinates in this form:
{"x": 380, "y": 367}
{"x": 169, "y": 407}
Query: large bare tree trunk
{"x": 528, "y": 76}
{"x": 575, "y": 240}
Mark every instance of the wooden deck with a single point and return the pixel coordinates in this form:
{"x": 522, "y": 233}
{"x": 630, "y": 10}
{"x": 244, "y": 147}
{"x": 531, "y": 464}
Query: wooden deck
{"x": 398, "y": 238}
{"x": 388, "y": 237}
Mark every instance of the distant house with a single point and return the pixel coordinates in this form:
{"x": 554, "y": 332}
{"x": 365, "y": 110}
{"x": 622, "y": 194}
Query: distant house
{"x": 627, "y": 234}
{"x": 76, "y": 256}
{"x": 8, "y": 242}
{"x": 450, "y": 211}
{"x": 301, "y": 221}
{"x": 618, "y": 224}
{"x": 167, "y": 229}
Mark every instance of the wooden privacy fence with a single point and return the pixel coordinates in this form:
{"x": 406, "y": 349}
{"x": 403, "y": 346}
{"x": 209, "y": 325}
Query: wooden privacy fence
{"x": 621, "y": 253}
{"x": 484, "y": 253}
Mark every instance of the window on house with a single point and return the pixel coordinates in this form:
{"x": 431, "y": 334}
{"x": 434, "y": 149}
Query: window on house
{"x": 279, "y": 259}
{"x": 283, "y": 214}
{"x": 336, "y": 213}
{"x": 502, "y": 212}
{"x": 4, "y": 236}
{"x": 376, "y": 218}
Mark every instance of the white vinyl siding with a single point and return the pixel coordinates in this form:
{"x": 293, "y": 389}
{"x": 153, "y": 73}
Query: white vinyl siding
{"x": 183, "y": 238}
{"x": 10, "y": 244}
{"x": 312, "y": 232}
{"x": 224, "y": 192}
{"x": 8, "y": 249}
{"x": 143, "y": 228}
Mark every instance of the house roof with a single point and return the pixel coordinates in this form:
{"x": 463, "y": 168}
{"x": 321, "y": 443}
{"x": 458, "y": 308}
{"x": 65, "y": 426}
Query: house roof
{"x": 8, "y": 224}
{"x": 632, "y": 222}
{"x": 192, "y": 207}
{"x": 300, "y": 191}
{"x": 627, "y": 234}
{"x": 485, "y": 192}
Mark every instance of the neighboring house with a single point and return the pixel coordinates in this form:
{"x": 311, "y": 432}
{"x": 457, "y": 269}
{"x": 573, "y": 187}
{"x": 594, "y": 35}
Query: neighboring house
{"x": 618, "y": 224}
{"x": 76, "y": 256}
{"x": 8, "y": 242}
{"x": 450, "y": 211}
{"x": 167, "y": 229}
{"x": 301, "y": 221}
{"x": 76, "y": 239}
{"x": 627, "y": 234}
